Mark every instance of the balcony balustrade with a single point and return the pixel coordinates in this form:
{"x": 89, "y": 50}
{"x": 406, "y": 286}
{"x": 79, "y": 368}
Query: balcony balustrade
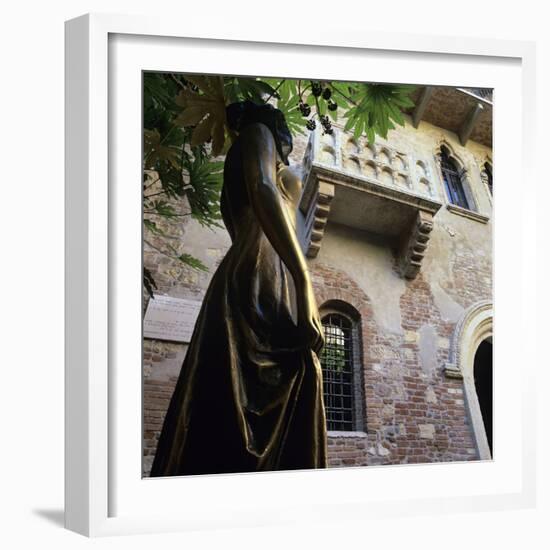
{"x": 375, "y": 188}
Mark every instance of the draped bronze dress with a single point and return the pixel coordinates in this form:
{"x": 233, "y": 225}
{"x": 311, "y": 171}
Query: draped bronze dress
{"x": 249, "y": 396}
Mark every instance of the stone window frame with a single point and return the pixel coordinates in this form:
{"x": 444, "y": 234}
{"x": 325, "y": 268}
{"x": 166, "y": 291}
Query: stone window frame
{"x": 484, "y": 177}
{"x": 349, "y": 312}
{"x": 472, "y": 212}
{"x": 475, "y": 326}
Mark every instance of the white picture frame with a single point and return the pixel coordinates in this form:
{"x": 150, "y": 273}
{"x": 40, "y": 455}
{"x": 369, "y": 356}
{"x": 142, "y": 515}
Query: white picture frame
{"x": 105, "y": 493}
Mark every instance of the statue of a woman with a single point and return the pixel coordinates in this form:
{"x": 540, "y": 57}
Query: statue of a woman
{"x": 250, "y": 396}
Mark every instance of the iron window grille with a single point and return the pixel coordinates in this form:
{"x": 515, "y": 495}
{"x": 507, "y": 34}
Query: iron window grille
{"x": 337, "y": 366}
{"x": 453, "y": 182}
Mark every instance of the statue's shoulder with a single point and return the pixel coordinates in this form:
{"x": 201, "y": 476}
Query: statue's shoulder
{"x": 291, "y": 182}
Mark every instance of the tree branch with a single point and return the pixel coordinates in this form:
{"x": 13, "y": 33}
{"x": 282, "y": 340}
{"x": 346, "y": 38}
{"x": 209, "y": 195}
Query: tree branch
{"x": 342, "y": 94}
{"x": 145, "y": 187}
{"x": 275, "y": 90}
{"x": 154, "y": 194}
{"x": 160, "y": 250}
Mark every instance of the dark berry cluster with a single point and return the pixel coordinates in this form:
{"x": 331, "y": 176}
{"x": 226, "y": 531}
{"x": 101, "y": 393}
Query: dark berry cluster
{"x": 316, "y": 89}
{"x": 326, "y": 124}
{"x": 310, "y": 124}
{"x": 305, "y": 109}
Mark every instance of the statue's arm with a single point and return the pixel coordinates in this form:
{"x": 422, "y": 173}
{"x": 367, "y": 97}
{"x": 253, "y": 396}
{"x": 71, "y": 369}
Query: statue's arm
{"x": 259, "y": 166}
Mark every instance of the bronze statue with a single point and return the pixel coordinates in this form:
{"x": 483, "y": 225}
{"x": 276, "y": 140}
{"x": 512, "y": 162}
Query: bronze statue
{"x": 250, "y": 395}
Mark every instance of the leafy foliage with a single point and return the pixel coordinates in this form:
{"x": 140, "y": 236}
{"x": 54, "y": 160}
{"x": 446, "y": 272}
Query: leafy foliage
{"x": 205, "y": 179}
{"x": 377, "y": 107}
{"x": 241, "y": 89}
{"x": 185, "y": 130}
{"x": 204, "y": 109}
{"x": 148, "y": 282}
{"x": 175, "y": 168}
{"x": 287, "y": 93}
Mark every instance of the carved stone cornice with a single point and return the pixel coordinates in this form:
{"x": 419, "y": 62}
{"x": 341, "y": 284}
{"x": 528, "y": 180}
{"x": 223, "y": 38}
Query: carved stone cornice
{"x": 317, "y": 208}
{"x": 412, "y": 253}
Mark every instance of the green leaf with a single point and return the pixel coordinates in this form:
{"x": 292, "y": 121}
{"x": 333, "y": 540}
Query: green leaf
{"x": 165, "y": 209}
{"x": 288, "y": 105}
{"x": 242, "y": 88}
{"x": 193, "y": 262}
{"x": 203, "y": 182}
{"x": 209, "y": 102}
{"x": 322, "y": 109}
{"x": 153, "y": 227}
{"x": 377, "y": 108}
{"x": 156, "y": 151}
{"x": 149, "y": 282}
{"x": 191, "y": 115}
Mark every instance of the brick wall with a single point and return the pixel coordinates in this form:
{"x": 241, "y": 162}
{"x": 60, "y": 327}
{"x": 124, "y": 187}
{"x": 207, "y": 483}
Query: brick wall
{"x": 411, "y": 416}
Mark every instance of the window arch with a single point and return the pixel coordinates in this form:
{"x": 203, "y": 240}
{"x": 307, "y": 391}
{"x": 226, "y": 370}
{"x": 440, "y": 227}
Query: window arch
{"x": 488, "y": 169}
{"x": 483, "y": 381}
{"x": 341, "y": 366}
{"x": 453, "y": 181}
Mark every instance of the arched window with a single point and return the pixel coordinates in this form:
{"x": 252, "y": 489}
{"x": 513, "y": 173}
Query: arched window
{"x": 489, "y": 179}
{"x": 453, "y": 181}
{"x": 340, "y": 362}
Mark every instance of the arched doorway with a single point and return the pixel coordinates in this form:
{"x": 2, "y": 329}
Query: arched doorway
{"x": 483, "y": 380}
{"x": 472, "y": 346}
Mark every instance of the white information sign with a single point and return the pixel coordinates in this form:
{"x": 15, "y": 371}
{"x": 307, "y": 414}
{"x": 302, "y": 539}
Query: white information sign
{"x": 170, "y": 318}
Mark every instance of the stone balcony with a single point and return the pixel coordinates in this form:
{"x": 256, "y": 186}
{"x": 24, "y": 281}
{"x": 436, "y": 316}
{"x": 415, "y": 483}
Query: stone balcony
{"x": 468, "y": 112}
{"x": 374, "y": 188}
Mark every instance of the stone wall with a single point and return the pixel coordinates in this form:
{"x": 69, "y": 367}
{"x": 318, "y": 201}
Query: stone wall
{"x": 412, "y": 412}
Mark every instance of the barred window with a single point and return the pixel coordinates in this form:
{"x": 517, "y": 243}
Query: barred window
{"x": 338, "y": 373}
{"x": 453, "y": 181}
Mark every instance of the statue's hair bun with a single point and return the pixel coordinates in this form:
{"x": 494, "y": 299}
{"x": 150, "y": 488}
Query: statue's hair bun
{"x": 242, "y": 113}
{"x": 234, "y": 115}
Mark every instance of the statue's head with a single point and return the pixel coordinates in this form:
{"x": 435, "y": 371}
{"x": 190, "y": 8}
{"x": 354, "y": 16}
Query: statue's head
{"x": 243, "y": 113}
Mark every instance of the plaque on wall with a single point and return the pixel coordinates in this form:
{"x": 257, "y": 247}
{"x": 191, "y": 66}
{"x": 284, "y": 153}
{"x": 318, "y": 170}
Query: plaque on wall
{"x": 170, "y": 318}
